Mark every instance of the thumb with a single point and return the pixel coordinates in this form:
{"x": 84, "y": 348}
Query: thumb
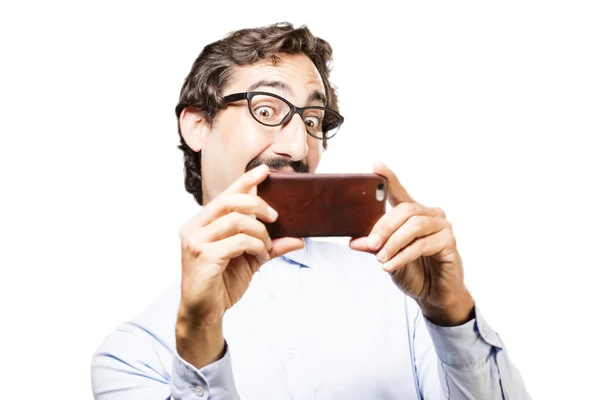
{"x": 284, "y": 245}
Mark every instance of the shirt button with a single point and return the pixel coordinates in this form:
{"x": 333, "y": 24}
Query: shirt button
{"x": 275, "y": 295}
{"x": 483, "y": 332}
{"x": 199, "y": 390}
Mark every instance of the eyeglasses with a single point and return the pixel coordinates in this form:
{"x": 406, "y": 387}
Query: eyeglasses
{"x": 271, "y": 110}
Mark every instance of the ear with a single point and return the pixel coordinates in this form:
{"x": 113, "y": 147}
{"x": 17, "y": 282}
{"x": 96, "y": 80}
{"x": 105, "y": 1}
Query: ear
{"x": 194, "y": 127}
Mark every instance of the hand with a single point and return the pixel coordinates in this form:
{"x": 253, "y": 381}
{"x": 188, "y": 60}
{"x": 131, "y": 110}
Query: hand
{"x": 222, "y": 247}
{"x": 417, "y": 247}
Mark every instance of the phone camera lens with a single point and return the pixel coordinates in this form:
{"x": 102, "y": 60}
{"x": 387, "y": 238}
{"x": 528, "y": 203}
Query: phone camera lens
{"x": 380, "y": 192}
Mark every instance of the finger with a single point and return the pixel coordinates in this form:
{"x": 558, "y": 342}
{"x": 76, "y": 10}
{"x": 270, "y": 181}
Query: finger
{"x": 232, "y": 224}
{"x": 235, "y": 202}
{"x": 235, "y": 246}
{"x": 396, "y": 192}
{"x": 416, "y": 227}
{"x": 249, "y": 180}
{"x": 282, "y": 246}
{"x": 360, "y": 244}
{"x": 393, "y": 219}
{"x": 439, "y": 212}
{"x": 425, "y": 246}
{"x": 228, "y": 201}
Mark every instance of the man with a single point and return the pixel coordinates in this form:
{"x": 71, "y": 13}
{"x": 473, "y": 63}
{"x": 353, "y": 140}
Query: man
{"x": 387, "y": 317}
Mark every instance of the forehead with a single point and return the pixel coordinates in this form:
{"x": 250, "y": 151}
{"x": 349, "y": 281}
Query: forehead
{"x": 296, "y": 70}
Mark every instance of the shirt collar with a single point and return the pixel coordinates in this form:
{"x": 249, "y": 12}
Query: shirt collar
{"x": 302, "y": 256}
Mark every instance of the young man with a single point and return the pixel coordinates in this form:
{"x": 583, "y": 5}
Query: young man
{"x": 388, "y": 317}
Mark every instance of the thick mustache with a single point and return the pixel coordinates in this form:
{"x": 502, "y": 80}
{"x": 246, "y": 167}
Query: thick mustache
{"x": 277, "y": 163}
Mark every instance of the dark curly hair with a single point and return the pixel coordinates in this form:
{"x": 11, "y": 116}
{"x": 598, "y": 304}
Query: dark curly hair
{"x": 212, "y": 70}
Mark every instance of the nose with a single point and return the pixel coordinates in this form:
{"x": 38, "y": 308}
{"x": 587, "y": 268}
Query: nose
{"x": 291, "y": 139}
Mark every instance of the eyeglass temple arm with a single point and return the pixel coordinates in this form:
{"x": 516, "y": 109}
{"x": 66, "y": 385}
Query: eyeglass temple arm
{"x": 235, "y": 97}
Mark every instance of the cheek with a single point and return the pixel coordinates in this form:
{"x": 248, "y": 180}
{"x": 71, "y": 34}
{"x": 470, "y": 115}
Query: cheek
{"x": 315, "y": 151}
{"x": 242, "y": 138}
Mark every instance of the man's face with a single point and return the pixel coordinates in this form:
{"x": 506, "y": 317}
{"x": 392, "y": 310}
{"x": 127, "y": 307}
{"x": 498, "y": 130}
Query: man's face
{"x": 237, "y": 142}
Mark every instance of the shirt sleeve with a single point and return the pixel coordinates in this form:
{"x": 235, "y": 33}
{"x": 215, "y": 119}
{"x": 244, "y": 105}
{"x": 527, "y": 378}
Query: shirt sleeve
{"x": 127, "y": 367}
{"x": 215, "y": 381}
{"x": 472, "y": 361}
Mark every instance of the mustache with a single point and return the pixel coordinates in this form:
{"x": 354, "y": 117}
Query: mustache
{"x": 277, "y": 163}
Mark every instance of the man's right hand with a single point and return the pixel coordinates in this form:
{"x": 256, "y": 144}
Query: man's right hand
{"x": 222, "y": 247}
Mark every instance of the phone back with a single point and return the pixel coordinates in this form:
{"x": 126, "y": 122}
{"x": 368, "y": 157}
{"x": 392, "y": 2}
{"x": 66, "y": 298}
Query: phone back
{"x": 324, "y": 204}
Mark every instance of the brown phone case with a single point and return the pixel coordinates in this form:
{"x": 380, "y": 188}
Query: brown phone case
{"x": 324, "y": 204}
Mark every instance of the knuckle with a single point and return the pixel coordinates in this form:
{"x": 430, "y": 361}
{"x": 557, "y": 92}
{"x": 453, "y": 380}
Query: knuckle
{"x": 258, "y": 204}
{"x": 384, "y": 228}
{"x": 264, "y": 206}
{"x": 261, "y": 247}
{"x": 185, "y": 244}
{"x": 409, "y": 208}
{"x": 183, "y": 232}
{"x": 261, "y": 229}
{"x": 235, "y": 223}
{"x": 451, "y": 239}
{"x": 419, "y": 222}
{"x": 235, "y": 218}
{"x": 244, "y": 240}
{"x": 256, "y": 201}
{"x": 188, "y": 245}
{"x": 208, "y": 254}
{"x": 235, "y": 200}
{"x": 225, "y": 204}
{"x": 257, "y": 245}
{"x": 440, "y": 212}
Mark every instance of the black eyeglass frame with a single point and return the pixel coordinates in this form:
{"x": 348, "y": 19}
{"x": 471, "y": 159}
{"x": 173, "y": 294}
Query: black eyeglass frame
{"x": 293, "y": 110}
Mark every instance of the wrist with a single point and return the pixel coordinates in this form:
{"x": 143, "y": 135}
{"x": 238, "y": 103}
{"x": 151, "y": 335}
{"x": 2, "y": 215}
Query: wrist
{"x": 455, "y": 312}
{"x": 199, "y": 344}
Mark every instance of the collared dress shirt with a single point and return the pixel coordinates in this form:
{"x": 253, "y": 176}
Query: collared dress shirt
{"x": 323, "y": 322}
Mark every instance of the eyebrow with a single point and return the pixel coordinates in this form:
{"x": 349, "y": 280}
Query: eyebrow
{"x": 315, "y": 95}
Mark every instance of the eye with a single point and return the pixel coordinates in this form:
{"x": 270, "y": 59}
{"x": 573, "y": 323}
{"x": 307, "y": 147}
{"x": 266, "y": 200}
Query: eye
{"x": 312, "y": 122}
{"x": 264, "y": 112}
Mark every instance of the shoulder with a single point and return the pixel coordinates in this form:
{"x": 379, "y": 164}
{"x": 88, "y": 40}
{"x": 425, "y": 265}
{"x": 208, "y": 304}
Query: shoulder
{"x": 149, "y": 334}
{"x": 137, "y": 356}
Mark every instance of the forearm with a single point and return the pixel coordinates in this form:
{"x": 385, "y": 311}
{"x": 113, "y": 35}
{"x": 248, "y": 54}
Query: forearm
{"x": 202, "y": 366}
{"x": 199, "y": 345}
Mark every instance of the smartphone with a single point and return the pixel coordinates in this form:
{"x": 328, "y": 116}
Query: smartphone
{"x": 311, "y": 205}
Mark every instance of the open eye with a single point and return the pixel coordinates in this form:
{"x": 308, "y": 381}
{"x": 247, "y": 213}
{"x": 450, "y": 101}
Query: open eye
{"x": 312, "y": 122}
{"x": 264, "y": 112}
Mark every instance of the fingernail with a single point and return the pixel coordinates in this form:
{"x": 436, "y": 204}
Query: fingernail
{"x": 262, "y": 259}
{"x": 381, "y": 255}
{"x": 259, "y": 171}
{"x": 271, "y": 213}
{"x": 373, "y": 241}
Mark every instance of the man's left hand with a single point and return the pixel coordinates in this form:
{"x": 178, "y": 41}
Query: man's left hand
{"x": 417, "y": 247}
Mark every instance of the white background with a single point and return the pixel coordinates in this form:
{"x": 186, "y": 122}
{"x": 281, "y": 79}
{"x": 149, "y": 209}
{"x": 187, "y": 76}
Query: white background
{"x": 490, "y": 111}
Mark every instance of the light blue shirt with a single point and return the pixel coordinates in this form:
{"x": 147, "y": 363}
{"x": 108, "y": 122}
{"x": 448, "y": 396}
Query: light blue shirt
{"x": 324, "y": 322}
